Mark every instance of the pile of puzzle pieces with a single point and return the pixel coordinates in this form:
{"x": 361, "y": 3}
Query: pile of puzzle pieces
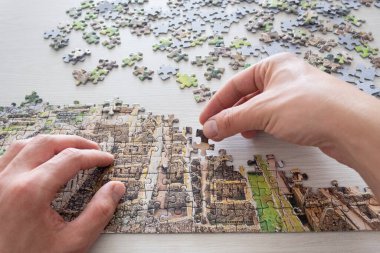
{"x": 175, "y": 185}
{"x": 325, "y": 33}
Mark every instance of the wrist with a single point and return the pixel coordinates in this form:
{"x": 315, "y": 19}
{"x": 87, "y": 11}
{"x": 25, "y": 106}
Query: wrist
{"x": 356, "y": 135}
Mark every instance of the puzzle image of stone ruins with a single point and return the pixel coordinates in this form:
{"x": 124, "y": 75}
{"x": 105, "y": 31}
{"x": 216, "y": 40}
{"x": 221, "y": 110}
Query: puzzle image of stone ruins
{"x": 171, "y": 188}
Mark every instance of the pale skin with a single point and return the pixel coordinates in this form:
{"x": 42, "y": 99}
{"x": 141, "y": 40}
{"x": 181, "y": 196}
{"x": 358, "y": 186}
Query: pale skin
{"x": 282, "y": 95}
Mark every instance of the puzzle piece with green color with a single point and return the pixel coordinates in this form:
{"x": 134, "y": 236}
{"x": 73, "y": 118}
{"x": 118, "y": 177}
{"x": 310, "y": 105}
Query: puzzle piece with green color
{"x": 366, "y": 51}
{"x": 199, "y": 41}
{"x": 187, "y": 81}
{"x": 178, "y": 56}
{"x": 87, "y": 4}
{"x": 213, "y": 72}
{"x": 91, "y": 37}
{"x": 240, "y": 42}
{"x": 216, "y": 40}
{"x": 132, "y": 59}
{"x": 79, "y": 25}
{"x": 354, "y": 20}
{"x": 164, "y": 44}
{"x": 109, "y": 31}
{"x": 98, "y": 75}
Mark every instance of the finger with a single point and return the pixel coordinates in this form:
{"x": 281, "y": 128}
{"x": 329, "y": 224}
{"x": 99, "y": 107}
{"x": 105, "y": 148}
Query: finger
{"x": 11, "y": 152}
{"x": 43, "y": 147}
{"x": 246, "y": 98}
{"x": 249, "y": 134}
{"x": 64, "y": 166}
{"x": 92, "y": 221}
{"x": 237, "y": 119}
{"x": 246, "y": 82}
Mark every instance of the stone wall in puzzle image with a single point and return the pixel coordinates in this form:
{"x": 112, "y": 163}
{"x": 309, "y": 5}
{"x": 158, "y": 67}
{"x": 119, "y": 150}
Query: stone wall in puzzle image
{"x": 173, "y": 189}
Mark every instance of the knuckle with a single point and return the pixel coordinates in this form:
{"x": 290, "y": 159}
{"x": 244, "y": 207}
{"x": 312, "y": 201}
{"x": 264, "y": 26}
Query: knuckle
{"x": 21, "y": 188}
{"x": 71, "y": 154}
{"x": 104, "y": 209}
{"x": 17, "y": 145}
{"x": 42, "y": 139}
{"x": 228, "y": 119}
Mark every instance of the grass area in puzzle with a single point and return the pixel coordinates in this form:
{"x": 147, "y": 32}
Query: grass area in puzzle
{"x": 173, "y": 186}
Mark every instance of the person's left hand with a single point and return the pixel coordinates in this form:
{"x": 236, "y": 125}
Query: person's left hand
{"x": 31, "y": 173}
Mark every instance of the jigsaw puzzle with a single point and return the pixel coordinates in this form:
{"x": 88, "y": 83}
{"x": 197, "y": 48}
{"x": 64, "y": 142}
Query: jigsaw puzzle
{"x": 171, "y": 188}
{"x": 307, "y": 28}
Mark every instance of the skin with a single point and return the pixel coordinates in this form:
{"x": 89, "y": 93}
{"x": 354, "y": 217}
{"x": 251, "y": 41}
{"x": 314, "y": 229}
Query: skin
{"x": 293, "y": 101}
{"x": 282, "y": 95}
{"x": 31, "y": 172}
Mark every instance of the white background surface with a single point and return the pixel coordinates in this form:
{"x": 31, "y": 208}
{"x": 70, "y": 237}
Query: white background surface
{"x": 28, "y": 64}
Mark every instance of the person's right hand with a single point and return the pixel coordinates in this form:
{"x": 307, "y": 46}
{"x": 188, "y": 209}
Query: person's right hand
{"x": 291, "y": 100}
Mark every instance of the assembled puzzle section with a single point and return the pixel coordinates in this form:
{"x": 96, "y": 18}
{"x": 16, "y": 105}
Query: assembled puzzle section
{"x": 328, "y": 34}
{"x": 173, "y": 188}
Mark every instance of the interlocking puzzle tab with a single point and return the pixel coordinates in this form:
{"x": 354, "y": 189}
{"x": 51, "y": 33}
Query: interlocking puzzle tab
{"x": 173, "y": 189}
{"x": 203, "y": 145}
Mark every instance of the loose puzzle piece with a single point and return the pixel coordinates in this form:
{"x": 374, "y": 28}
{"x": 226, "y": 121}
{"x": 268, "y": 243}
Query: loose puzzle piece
{"x": 132, "y": 59}
{"x": 111, "y": 42}
{"x": 178, "y": 56}
{"x": 166, "y": 71}
{"x": 77, "y": 55}
{"x": 216, "y": 40}
{"x": 213, "y": 72}
{"x": 164, "y": 44}
{"x": 109, "y": 31}
{"x": 98, "y": 74}
{"x": 143, "y": 73}
{"x": 186, "y": 80}
{"x": 91, "y": 37}
{"x": 59, "y": 43}
{"x": 203, "y": 93}
{"x": 203, "y": 145}
{"x": 238, "y": 61}
{"x": 239, "y": 42}
{"x": 81, "y": 76}
{"x": 366, "y": 51}
{"x": 79, "y": 25}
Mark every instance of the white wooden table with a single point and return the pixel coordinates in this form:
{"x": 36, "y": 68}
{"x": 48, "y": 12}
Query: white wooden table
{"x": 28, "y": 64}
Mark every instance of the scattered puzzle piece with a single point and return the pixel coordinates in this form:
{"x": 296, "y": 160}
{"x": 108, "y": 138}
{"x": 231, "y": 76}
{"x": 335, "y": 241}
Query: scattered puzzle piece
{"x": 202, "y": 94}
{"x": 77, "y": 55}
{"x": 132, "y": 59}
{"x": 213, "y": 72}
{"x": 166, "y": 71}
{"x": 178, "y": 56}
{"x": 186, "y": 80}
{"x": 143, "y": 73}
{"x": 203, "y": 145}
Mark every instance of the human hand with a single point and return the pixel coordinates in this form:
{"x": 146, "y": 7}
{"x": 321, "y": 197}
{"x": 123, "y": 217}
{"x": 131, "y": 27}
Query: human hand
{"x": 31, "y": 173}
{"x": 291, "y": 100}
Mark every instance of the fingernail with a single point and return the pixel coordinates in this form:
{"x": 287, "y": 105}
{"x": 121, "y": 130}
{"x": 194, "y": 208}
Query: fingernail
{"x": 210, "y": 129}
{"x": 109, "y": 155}
{"x": 118, "y": 191}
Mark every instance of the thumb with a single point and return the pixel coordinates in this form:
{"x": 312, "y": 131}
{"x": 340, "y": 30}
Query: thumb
{"x": 237, "y": 119}
{"x": 97, "y": 214}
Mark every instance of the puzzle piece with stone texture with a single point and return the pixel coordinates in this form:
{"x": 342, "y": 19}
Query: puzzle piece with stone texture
{"x": 203, "y": 145}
